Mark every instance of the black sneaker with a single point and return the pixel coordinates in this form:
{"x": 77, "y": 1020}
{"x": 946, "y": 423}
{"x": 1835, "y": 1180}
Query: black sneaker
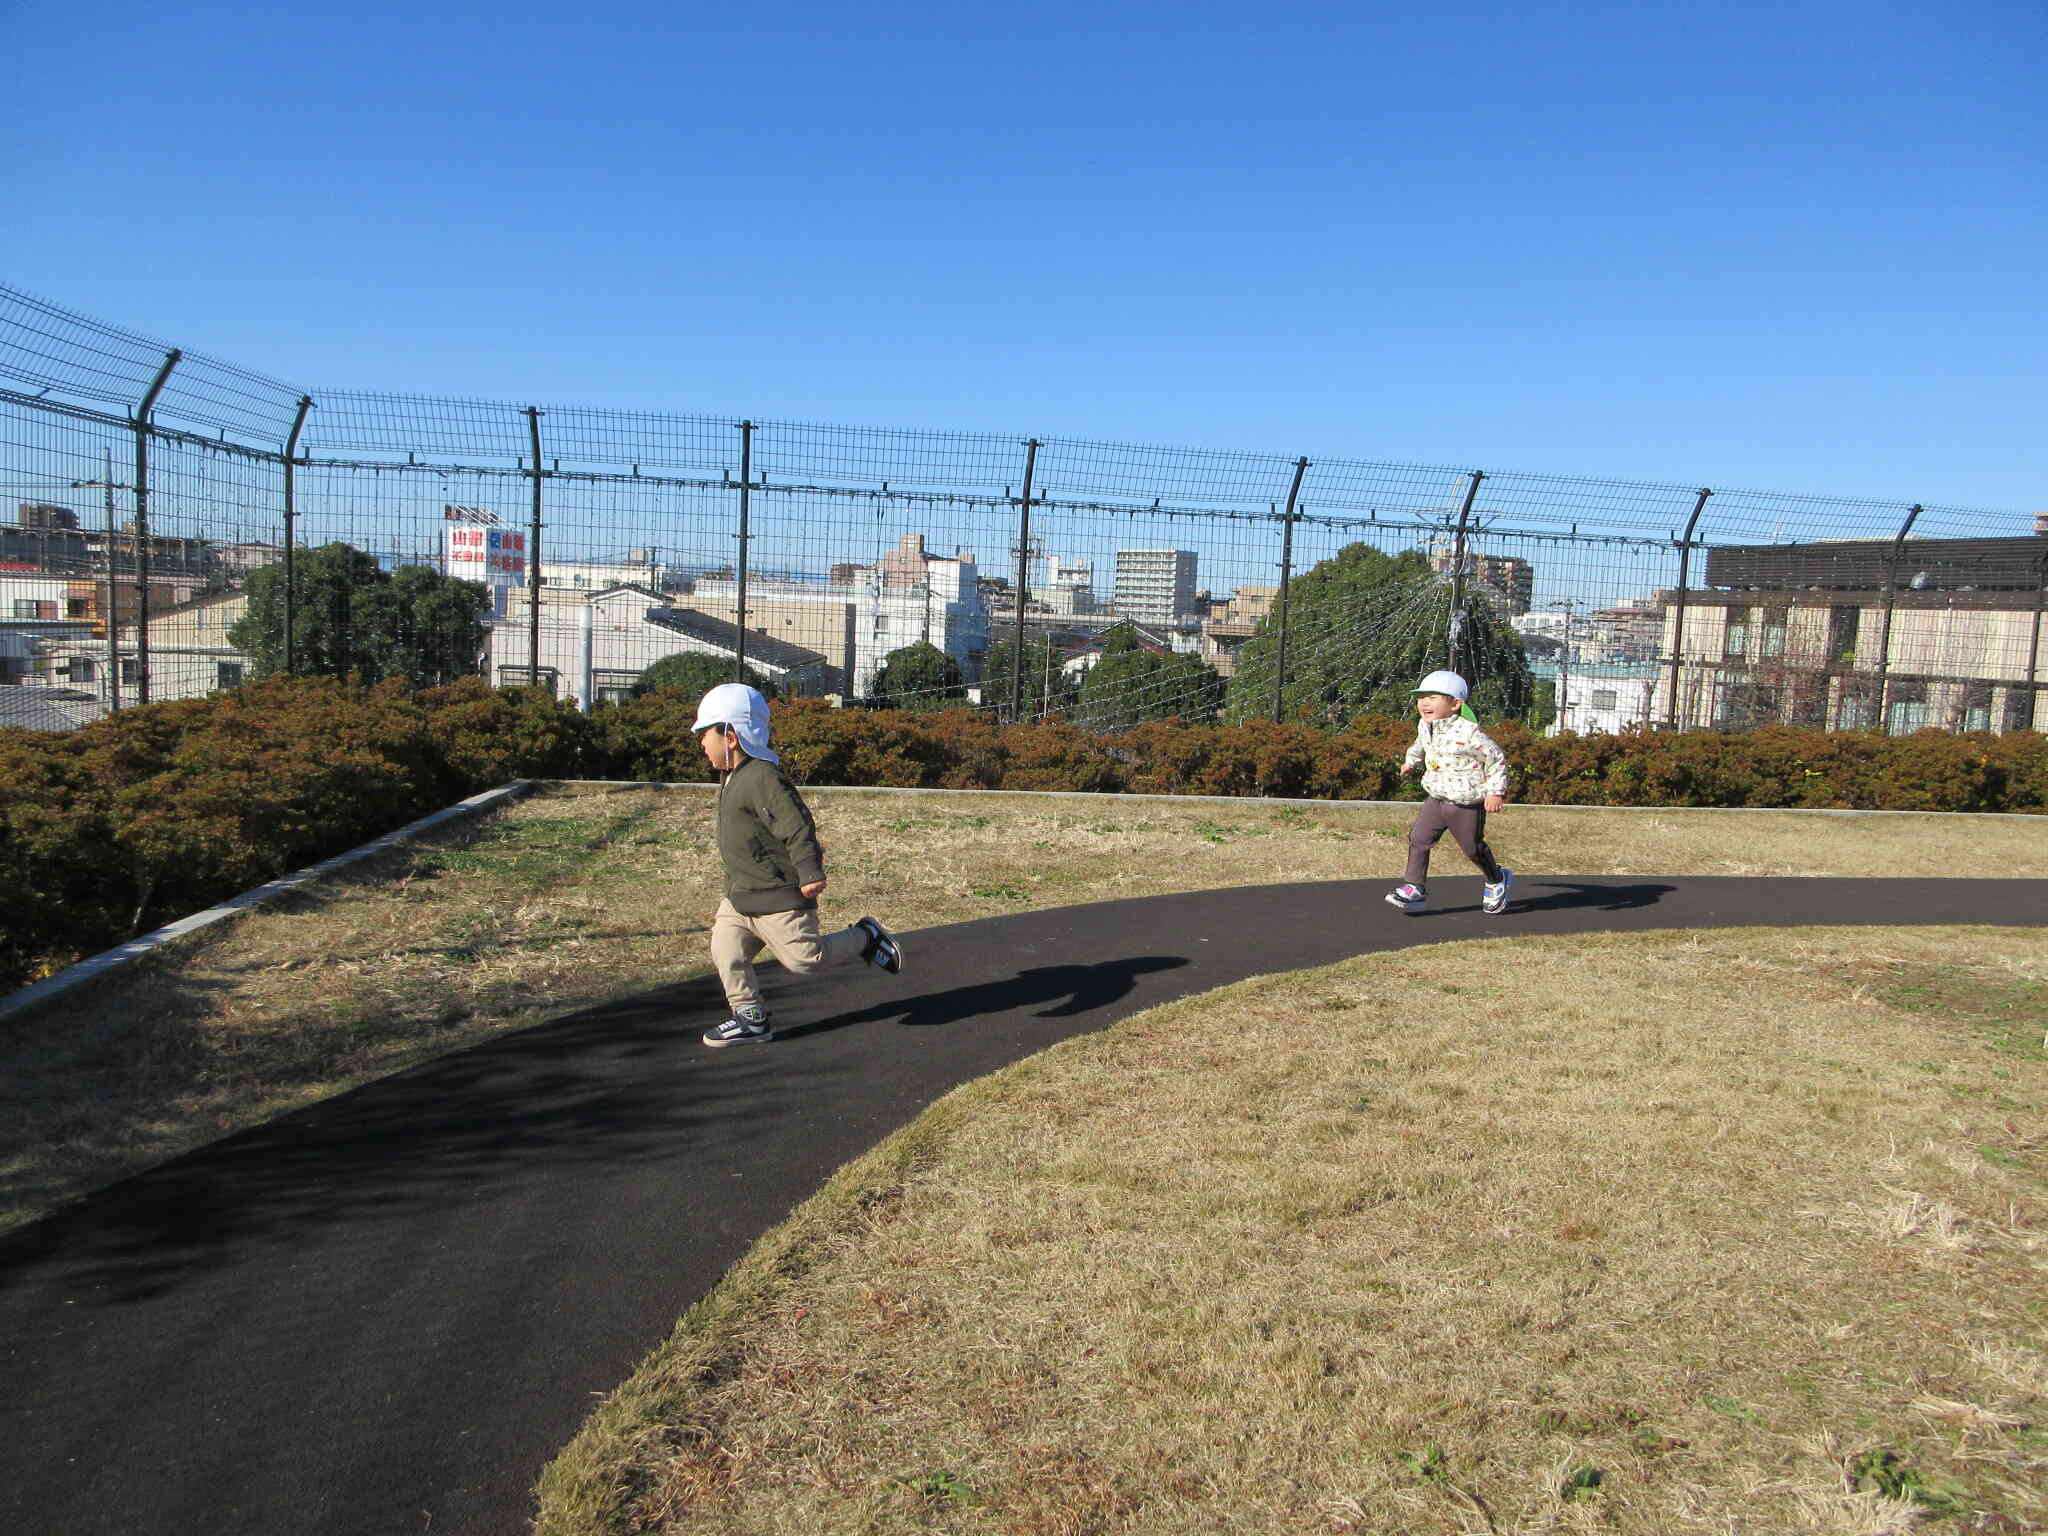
{"x": 884, "y": 951}
{"x": 747, "y": 1026}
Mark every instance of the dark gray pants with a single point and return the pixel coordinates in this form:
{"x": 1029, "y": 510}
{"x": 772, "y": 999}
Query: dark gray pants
{"x": 1466, "y": 823}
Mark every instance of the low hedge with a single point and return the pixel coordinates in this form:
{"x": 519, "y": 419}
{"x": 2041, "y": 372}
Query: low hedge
{"x": 151, "y": 813}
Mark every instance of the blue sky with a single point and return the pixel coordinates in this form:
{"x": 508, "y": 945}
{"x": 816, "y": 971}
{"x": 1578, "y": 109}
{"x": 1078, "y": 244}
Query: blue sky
{"x": 1796, "y": 246}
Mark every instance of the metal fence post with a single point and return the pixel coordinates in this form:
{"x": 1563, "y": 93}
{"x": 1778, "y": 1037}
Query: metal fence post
{"x": 1456, "y": 628}
{"x": 1280, "y": 598}
{"x": 156, "y": 388}
{"x": 1678, "y": 608}
{"x": 739, "y": 612}
{"x": 2034, "y": 647}
{"x": 291, "y": 453}
{"x": 1884, "y": 645}
{"x": 533, "y": 576}
{"x": 1023, "y": 579}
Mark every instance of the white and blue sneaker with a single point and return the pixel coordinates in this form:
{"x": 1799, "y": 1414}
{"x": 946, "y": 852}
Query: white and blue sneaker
{"x": 1494, "y": 899}
{"x": 747, "y": 1026}
{"x": 884, "y": 950}
{"x": 1408, "y": 897}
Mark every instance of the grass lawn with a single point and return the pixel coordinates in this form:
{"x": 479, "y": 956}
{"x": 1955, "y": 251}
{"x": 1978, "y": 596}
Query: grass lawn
{"x": 1691, "y": 1232}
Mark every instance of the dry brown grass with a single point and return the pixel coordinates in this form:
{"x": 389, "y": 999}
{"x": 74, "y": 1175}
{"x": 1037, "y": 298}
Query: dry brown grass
{"x": 1737, "y": 1231}
{"x": 587, "y": 895}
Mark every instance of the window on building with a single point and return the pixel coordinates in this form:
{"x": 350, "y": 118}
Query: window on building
{"x": 1842, "y": 622}
{"x": 1737, "y": 644}
{"x": 1604, "y": 699}
{"x": 227, "y": 674}
{"x": 1857, "y": 710}
{"x": 1908, "y": 710}
{"x": 24, "y": 608}
{"x": 2019, "y": 710}
{"x": 78, "y": 608}
{"x": 1771, "y": 634}
{"x": 82, "y": 669}
{"x": 131, "y": 670}
{"x": 1975, "y": 711}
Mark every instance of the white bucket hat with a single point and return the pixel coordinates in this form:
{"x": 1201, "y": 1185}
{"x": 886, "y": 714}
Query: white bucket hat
{"x": 1451, "y": 684}
{"x": 742, "y": 708}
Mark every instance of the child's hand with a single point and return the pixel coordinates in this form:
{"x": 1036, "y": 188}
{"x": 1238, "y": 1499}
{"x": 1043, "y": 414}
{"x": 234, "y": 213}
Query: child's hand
{"x": 1411, "y": 767}
{"x": 812, "y": 891}
{"x": 1494, "y": 803}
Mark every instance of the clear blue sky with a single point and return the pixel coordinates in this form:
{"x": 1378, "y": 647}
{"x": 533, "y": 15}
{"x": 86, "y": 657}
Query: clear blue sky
{"x": 1795, "y": 246}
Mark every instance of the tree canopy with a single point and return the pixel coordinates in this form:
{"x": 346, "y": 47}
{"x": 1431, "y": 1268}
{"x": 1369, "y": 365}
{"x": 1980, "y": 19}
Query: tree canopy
{"x": 1048, "y": 690}
{"x": 1363, "y": 627}
{"x": 351, "y": 617}
{"x": 919, "y": 676}
{"x": 696, "y": 673}
{"x": 1131, "y": 684}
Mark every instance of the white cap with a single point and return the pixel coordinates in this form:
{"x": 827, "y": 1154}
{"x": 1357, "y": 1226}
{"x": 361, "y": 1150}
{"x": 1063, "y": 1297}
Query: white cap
{"x": 1443, "y": 682}
{"x": 742, "y": 708}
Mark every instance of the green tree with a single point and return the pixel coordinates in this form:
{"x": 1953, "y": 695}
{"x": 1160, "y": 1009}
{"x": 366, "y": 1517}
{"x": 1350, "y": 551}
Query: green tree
{"x": 696, "y": 673}
{"x": 1047, "y": 689}
{"x": 1363, "y": 628}
{"x": 919, "y": 676}
{"x": 351, "y": 617}
{"x": 1130, "y": 685}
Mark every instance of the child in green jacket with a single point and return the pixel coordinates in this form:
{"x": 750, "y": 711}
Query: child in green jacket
{"x": 774, "y": 868}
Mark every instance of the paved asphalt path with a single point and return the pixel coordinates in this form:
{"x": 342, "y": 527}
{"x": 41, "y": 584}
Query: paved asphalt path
{"x": 384, "y": 1314}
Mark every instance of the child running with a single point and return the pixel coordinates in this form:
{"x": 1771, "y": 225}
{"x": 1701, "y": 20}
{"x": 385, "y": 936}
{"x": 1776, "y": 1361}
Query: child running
{"x": 774, "y": 868}
{"x": 1467, "y": 780}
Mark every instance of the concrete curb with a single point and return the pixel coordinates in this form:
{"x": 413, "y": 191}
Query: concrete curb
{"x": 50, "y": 988}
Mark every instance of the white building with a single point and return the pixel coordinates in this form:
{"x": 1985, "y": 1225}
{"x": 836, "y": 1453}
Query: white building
{"x": 1156, "y": 586}
{"x": 866, "y": 611}
{"x": 1602, "y": 698}
{"x": 594, "y": 646}
{"x": 1069, "y": 587}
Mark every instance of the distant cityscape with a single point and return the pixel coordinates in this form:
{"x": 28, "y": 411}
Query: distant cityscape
{"x": 1780, "y": 632}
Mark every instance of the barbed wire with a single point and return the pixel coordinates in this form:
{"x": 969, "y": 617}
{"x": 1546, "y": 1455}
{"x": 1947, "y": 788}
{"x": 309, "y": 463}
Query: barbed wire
{"x": 822, "y": 549}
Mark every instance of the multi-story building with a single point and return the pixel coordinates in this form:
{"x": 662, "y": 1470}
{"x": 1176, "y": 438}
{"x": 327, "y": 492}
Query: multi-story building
{"x": 1233, "y": 622}
{"x": 1511, "y": 581}
{"x": 190, "y": 654}
{"x": 1156, "y": 587}
{"x": 1069, "y": 589}
{"x": 1842, "y": 634}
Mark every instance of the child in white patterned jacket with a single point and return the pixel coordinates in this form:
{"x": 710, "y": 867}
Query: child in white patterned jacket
{"x": 1466, "y": 775}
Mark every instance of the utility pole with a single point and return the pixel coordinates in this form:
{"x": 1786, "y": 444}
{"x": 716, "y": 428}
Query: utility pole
{"x": 109, "y": 484}
{"x": 1569, "y": 606}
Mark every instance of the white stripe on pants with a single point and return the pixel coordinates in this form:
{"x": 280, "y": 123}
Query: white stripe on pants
{"x": 791, "y": 937}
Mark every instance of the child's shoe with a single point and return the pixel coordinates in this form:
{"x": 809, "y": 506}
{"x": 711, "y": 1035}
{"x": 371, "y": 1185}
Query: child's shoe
{"x": 1409, "y": 898}
{"x": 884, "y": 952}
{"x": 747, "y": 1026}
{"x": 1494, "y": 899}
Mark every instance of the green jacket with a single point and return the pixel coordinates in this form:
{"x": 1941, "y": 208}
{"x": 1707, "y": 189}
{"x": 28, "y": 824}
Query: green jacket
{"x": 768, "y": 841}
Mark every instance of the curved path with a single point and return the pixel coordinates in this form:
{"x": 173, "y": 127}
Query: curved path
{"x": 385, "y": 1313}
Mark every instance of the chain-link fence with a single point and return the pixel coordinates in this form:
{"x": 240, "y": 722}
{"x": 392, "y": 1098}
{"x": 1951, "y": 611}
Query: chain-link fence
{"x": 177, "y": 522}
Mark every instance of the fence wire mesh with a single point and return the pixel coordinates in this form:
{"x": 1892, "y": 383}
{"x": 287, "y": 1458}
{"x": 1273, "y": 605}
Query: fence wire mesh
{"x": 181, "y": 524}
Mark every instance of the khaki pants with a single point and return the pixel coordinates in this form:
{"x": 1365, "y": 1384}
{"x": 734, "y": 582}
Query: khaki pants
{"x": 791, "y": 937}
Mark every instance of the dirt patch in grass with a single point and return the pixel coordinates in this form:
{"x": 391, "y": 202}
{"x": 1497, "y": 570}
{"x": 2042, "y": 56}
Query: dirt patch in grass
{"x": 1741, "y": 1230}
{"x": 587, "y": 895}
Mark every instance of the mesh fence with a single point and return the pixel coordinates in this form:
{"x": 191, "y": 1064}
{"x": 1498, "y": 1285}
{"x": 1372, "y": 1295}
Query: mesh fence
{"x": 183, "y": 498}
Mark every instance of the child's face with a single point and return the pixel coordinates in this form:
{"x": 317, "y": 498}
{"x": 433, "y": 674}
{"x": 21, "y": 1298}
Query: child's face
{"x": 722, "y": 748}
{"x": 1435, "y": 706}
